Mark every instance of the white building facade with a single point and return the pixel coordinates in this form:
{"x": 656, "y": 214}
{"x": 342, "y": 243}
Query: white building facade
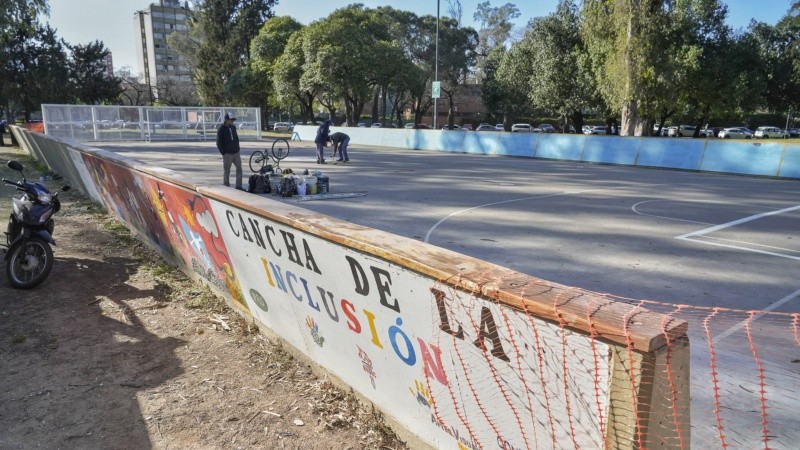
{"x": 159, "y": 65}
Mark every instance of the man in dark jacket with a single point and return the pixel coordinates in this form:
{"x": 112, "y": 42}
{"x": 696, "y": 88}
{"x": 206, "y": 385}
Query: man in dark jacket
{"x": 340, "y": 141}
{"x": 323, "y": 136}
{"x": 228, "y": 146}
{"x": 2, "y": 131}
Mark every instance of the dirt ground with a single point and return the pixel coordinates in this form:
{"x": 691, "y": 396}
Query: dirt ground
{"x": 117, "y": 350}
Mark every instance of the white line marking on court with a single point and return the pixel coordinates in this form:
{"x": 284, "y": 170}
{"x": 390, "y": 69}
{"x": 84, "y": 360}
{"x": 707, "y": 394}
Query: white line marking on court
{"x": 740, "y": 325}
{"x": 689, "y": 236}
{"x": 663, "y": 217}
{"x": 751, "y": 243}
{"x": 737, "y": 222}
{"x": 737, "y": 247}
{"x": 428, "y": 234}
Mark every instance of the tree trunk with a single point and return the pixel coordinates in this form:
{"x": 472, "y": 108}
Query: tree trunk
{"x": 375, "y": 98}
{"x": 577, "y": 120}
{"x": 632, "y": 123}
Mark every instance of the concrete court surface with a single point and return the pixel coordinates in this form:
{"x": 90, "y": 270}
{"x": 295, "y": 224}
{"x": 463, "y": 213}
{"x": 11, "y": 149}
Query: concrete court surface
{"x": 691, "y": 238}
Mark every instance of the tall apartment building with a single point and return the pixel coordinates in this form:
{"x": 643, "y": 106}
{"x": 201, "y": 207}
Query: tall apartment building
{"x": 159, "y": 65}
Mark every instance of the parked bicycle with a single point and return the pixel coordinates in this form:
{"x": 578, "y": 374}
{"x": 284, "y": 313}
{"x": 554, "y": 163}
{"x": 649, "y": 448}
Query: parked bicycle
{"x": 259, "y": 159}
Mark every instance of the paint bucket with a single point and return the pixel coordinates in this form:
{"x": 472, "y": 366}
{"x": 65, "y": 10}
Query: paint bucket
{"x": 311, "y": 181}
{"x": 275, "y": 182}
{"x": 323, "y": 185}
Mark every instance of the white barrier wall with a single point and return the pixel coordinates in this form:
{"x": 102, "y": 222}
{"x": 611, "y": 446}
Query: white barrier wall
{"x": 773, "y": 158}
{"x": 459, "y": 352}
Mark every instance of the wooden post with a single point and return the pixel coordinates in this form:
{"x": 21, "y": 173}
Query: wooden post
{"x": 649, "y": 398}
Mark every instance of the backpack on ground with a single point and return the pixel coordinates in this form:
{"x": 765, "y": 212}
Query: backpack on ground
{"x": 258, "y": 184}
{"x": 288, "y": 187}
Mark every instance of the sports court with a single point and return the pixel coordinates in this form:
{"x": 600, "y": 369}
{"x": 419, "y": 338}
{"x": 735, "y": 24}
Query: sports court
{"x": 720, "y": 251}
{"x": 679, "y": 237}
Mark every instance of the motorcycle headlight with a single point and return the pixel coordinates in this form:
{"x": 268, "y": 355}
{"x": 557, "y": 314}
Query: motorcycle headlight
{"x": 45, "y": 198}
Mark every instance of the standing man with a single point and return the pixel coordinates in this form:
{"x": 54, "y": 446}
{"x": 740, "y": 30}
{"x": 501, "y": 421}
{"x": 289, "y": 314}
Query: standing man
{"x": 2, "y": 131}
{"x": 340, "y": 141}
{"x": 323, "y": 136}
{"x": 228, "y": 146}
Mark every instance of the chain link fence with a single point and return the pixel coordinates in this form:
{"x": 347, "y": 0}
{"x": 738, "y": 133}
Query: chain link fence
{"x": 86, "y": 123}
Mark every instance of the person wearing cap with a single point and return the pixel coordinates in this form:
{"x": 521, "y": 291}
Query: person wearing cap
{"x": 323, "y": 136}
{"x": 228, "y": 146}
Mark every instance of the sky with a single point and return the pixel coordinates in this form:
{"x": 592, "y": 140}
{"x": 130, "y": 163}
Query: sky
{"x": 84, "y": 21}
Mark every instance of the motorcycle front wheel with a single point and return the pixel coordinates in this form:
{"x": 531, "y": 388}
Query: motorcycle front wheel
{"x": 29, "y": 262}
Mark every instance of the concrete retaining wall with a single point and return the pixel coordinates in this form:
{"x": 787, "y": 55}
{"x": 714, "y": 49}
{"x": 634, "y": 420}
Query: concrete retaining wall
{"x": 764, "y": 158}
{"x": 459, "y": 352}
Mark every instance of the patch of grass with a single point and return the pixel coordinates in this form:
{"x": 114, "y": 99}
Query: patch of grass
{"x": 19, "y": 338}
{"x": 119, "y": 230}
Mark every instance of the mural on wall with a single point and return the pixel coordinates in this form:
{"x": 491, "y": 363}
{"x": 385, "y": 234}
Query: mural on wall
{"x": 178, "y": 221}
{"x": 480, "y": 374}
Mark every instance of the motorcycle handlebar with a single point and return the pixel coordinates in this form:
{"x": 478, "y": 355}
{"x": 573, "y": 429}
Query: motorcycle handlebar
{"x": 14, "y": 183}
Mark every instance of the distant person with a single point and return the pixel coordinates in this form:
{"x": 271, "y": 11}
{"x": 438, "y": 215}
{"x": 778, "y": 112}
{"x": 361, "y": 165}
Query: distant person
{"x": 2, "y": 132}
{"x": 228, "y": 146}
{"x": 340, "y": 141}
{"x": 323, "y": 136}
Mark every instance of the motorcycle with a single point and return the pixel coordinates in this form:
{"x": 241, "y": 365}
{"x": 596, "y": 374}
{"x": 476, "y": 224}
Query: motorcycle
{"x": 29, "y": 257}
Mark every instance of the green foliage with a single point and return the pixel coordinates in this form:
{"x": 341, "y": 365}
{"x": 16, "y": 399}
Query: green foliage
{"x": 560, "y": 77}
{"x": 224, "y": 30}
{"x": 89, "y": 75}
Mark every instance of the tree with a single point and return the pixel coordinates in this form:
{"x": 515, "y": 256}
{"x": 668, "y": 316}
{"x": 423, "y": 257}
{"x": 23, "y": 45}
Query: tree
{"x": 457, "y": 52}
{"x": 560, "y": 74}
{"x": 495, "y": 29}
{"x": 347, "y": 55}
{"x": 455, "y": 10}
{"x": 18, "y": 21}
{"x": 265, "y": 49}
{"x": 286, "y": 74}
{"x": 37, "y": 69}
{"x": 89, "y": 74}
{"x": 227, "y": 28}
{"x": 415, "y": 36}
{"x": 20, "y": 15}
{"x": 134, "y": 93}
{"x": 619, "y": 43}
{"x": 507, "y": 87}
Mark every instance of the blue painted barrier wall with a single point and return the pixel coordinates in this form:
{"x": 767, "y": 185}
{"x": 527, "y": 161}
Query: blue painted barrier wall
{"x": 763, "y": 158}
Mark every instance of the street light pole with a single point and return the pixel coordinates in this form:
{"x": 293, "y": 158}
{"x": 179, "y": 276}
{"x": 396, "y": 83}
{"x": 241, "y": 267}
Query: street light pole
{"x": 436, "y": 69}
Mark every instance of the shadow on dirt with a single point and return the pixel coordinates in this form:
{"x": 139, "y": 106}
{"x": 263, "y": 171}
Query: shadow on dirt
{"x": 75, "y": 354}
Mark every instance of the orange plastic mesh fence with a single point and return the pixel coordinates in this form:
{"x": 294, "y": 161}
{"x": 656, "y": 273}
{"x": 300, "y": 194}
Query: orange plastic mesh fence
{"x": 564, "y": 389}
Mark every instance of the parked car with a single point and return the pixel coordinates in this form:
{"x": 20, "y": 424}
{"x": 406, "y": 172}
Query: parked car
{"x": 770, "y": 132}
{"x": 586, "y": 129}
{"x": 282, "y": 126}
{"x": 682, "y": 131}
{"x": 597, "y": 129}
{"x": 466, "y": 127}
{"x": 377, "y": 125}
{"x": 485, "y": 127}
{"x": 521, "y": 128}
{"x": 793, "y": 132}
{"x": 409, "y": 126}
{"x": 546, "y": 128}
{"x": 447, "y": 127}
{"x": 500, "y": 127}
{"x": 735, "y": 133}
{"x": 361, "y": 125}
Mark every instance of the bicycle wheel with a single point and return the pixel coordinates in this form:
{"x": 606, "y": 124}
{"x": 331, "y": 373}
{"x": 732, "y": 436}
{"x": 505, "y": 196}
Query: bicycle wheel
{"x": 280, "y": 151}
{"x": 257, "y": 161}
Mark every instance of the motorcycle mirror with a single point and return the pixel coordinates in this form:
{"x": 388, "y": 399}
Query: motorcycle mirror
{"x": 14, "y": 165}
